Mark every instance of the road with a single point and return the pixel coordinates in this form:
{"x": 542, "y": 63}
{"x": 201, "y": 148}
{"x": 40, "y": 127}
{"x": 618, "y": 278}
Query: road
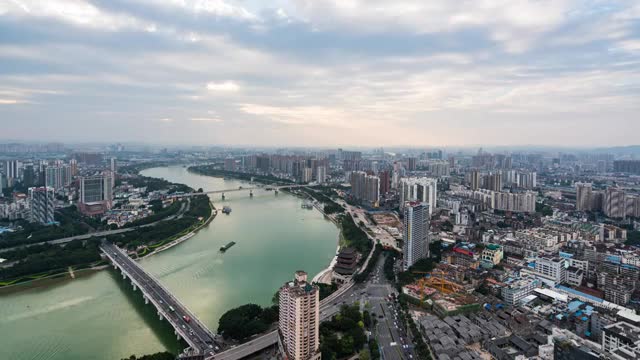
{"x": 198, "y": 336}
{"x": 183, "y": 208}
{"x": 391, "y": 336}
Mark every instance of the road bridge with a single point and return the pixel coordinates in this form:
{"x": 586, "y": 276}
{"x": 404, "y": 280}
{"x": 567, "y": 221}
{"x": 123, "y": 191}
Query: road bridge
{"x": 242, "y": 188}
{"x": 186, "y": 326}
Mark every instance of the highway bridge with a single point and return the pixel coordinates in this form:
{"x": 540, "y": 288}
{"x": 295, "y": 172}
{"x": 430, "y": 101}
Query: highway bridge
{"x": 186, "y": 326}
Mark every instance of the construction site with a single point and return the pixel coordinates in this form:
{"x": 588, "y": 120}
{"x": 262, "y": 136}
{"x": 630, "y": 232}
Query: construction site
{"x": 442, "y": 292}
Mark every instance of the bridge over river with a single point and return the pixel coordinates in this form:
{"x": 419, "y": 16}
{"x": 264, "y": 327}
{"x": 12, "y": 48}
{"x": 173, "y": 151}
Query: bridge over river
{"x": 186, "y": 326}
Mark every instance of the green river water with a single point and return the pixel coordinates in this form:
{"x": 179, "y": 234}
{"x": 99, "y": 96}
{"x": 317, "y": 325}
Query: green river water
{"x": 98, "y": 316}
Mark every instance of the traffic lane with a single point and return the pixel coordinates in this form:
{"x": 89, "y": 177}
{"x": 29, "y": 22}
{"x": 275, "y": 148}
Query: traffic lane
{"x": 386, "y": 340}
{"x": 196, "y": 334}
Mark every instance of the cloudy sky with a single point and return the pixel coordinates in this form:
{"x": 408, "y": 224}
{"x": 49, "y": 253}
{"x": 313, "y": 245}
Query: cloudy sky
{"x": 321, "y": 72}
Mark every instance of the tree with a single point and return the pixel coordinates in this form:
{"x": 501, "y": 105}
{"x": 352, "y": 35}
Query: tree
{"x": 364, "y": 355}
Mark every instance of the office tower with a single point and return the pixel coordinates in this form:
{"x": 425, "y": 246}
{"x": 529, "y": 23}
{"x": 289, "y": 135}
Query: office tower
{"x": 299, "y": 321}
{"x": 12, "y": 169}
{"x": 416, "y": 233}
{"x": 385, "y": 182}
{"x": 614, "y": 202}
{"x": 452, "y": 162}
{"x": 584, "y": 194}
{"x": 419, "y": 189}
{"x": 475, "y": 179}
{"x": 321, "y": 174}
{"x": 42, "y": 202}
{"x": 114, "y": 166}
{"x": 95, "y": 194}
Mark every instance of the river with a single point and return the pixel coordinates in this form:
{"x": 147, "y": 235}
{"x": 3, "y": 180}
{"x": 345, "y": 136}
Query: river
{"x": 98, "y": 315}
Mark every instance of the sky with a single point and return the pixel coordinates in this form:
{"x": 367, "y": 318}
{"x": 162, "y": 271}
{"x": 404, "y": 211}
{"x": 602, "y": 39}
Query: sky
{"x": 321, "y": 72}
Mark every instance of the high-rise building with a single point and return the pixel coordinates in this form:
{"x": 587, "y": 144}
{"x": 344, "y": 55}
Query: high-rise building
{"x": 58, "y": 176}
{"x": 419, "y": 189}
{"x": 627, "y": 166}
{"x": 230, "y": 164}
{"x": 321, "y": 174}
{"x": 385, "y": 181}
{"x": 29, "y": 176}
{"x": 307, "y": 174}
{"x": 416, "y": 233}
{"x": 614, "y": 202}
{"x": 493, "y": 181}
{"x": 584, "y": 194}
{"x": 365, "y": 187}
{"x": 12, "y": 169}
{"x": 475, "y": 179}
{"x": 113, "y": 165}
{"x": 73, "y": 163}
{"x": 299, "y": 321}
{"x": 95, "y": 194}
{"x": 411, "y": 164}
{"x": 42, "y": 204}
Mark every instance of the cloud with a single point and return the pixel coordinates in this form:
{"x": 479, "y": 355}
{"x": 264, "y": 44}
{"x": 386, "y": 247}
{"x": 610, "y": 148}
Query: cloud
{"x": 10, "y": 101}
{"x": 351, "y": 72}
{"x": 204, "y": 119}
{"x": 74, "y": 12}
{"x": 225, "y": 86}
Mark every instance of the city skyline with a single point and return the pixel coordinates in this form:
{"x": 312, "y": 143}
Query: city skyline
{"x": 321, "y": 73}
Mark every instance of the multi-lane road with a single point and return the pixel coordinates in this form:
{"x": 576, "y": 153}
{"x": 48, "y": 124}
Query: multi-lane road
{"x": 184, "y": 322}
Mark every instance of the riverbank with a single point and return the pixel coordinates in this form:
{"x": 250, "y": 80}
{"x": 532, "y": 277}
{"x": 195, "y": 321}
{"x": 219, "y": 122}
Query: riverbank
{"x": 61, "y": 273}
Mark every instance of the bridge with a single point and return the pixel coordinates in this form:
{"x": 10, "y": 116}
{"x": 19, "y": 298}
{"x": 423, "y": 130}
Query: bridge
{"x": 186, "y": 326}
{"x": 276, "y": 188}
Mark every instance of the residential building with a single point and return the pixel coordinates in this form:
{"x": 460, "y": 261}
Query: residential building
{"x": 299, "y": 321}
{"x": 621, "y": 341}
{"x": 614, "y": 203}
{"x": 416, "y": 235}
{"x": 321, "y": 174}
{"x": 113, "y": 165}
{"x": 12, "y": 170}
{"x": 365, "y": 187}
{"x": 424, "y": 190}
{"x": 42, "y": 204}
{"x": 584, "y": 194}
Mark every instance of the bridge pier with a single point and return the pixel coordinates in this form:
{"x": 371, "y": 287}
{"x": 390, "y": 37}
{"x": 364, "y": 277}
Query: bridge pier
{"x": 134, "y": 287}
{"x": 124, "y": 276}
{"x": 160, "y": 316}
{"x": 177, "y": 335}
{"x": 146, "y": 300}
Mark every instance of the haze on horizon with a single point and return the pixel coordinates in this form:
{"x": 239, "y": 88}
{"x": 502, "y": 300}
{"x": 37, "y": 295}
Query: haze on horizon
{"x": 321, "y": 72}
